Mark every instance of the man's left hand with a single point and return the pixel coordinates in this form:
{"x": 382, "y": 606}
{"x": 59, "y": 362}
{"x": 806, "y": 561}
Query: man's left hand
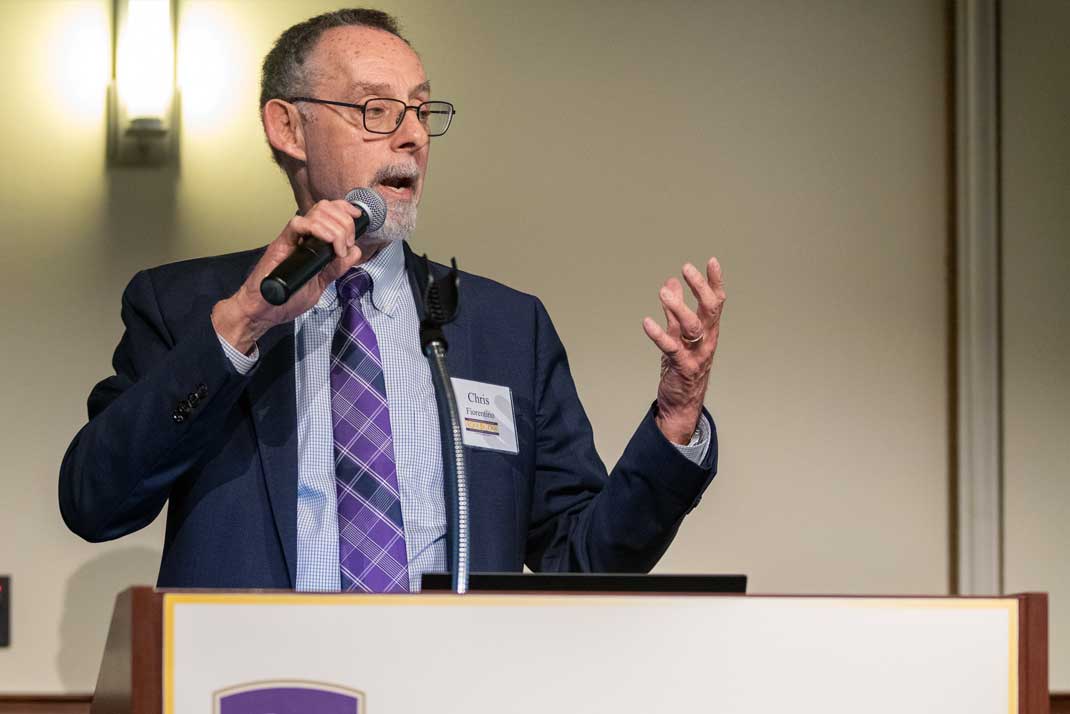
{"x": 687, "y": 342}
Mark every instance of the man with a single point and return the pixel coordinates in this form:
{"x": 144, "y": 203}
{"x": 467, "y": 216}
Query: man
{"x": 298, "y": 446}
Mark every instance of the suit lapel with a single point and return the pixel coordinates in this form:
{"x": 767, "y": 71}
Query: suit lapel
{"x": 417, "y": 274}
{"x": 273, "y": 402}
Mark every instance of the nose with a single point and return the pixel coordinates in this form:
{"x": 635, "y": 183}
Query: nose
{"x": 410, "y": 135}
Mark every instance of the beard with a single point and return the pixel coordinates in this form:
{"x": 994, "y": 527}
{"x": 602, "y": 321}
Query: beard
{"x": 400, "y": 222}
{"x": 400, "y": 214}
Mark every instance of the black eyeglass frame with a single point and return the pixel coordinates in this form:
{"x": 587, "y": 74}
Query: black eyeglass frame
{"x": 401, "y": 118}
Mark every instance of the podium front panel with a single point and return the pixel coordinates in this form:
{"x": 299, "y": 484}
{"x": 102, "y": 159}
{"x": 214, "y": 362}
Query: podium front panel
{"x": 402, "y": 654}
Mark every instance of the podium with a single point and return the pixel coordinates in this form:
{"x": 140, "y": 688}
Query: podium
{"x": 180, "y": 652}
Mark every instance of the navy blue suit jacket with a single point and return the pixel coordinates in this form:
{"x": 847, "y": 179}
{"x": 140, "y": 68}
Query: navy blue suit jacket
{"x": 228, "y": 471}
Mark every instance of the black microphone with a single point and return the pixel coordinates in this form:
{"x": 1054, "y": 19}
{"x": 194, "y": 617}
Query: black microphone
{"x": 313, "y": 255}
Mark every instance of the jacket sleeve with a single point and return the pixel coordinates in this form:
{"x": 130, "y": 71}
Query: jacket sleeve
{"x": 581, "y": 519}
{"x": 119, "y": 469}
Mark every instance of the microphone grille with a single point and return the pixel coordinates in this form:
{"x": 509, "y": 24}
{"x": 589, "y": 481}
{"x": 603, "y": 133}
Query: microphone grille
{"x": 372, "y": 204}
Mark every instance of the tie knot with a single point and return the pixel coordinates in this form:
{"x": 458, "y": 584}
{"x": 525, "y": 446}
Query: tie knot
{"x": 353, "y": 284}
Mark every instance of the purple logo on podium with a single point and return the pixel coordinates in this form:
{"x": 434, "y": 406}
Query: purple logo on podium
{"x": 289, "y": 698}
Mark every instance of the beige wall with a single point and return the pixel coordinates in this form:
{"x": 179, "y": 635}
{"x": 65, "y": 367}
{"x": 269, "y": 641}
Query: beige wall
{"x": 1036, "y": 309}
{"x": 598, "y": 146}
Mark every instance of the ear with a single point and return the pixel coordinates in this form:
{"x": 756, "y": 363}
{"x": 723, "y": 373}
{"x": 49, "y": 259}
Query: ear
{"x": 284, "y": 128}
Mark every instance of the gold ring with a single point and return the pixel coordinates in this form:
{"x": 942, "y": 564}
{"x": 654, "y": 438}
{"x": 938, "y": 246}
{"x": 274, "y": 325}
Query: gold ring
{"x": 695, "y": 341}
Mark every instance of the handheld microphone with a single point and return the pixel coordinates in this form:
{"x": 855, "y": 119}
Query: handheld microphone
{"x": 313, "y": 255}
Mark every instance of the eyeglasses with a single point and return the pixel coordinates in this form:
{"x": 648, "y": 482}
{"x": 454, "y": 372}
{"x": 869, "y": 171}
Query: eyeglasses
{"x": 383, "y": 115}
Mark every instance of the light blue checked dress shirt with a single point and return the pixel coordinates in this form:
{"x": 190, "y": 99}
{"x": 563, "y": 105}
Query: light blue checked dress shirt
{"x": 391, "y": 311}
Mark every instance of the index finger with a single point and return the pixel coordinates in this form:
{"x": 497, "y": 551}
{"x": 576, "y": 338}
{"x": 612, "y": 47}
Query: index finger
{"x": 700, "y": 286}
{"x": 349, "y": 208}
{"x": 341, "y": 213}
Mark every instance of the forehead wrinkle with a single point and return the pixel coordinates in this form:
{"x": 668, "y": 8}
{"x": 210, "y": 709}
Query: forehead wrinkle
{"x": 369, "y": 88}
{"x": 362, "y": 88}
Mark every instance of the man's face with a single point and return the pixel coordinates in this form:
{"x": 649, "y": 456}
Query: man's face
{"x": 355, "y": 64}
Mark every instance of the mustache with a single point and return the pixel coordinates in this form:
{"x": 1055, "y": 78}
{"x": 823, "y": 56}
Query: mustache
{"x": 395, "y": 172}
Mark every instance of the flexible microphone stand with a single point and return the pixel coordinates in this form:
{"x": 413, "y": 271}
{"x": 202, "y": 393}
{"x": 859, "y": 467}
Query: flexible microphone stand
{"x": 441, "y": 302}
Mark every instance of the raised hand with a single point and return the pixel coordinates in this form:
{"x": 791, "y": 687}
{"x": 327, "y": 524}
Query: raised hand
{"x": 687, "y": 343}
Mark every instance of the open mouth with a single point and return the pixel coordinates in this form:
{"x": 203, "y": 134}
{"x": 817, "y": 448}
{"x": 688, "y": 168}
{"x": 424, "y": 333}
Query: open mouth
{"x": 400, "y": 184}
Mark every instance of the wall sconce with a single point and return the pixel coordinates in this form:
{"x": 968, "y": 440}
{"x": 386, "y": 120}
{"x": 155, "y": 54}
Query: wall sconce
{"x": 142, "y": 102}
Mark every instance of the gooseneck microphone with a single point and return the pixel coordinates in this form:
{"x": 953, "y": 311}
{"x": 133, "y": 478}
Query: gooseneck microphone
{"x": 313, "y": 255}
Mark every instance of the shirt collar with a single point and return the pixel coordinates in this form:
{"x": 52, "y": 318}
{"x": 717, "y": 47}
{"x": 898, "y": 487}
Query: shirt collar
{"x": 387, "y": 271}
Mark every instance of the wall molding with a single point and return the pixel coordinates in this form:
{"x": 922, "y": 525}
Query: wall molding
{"x": 979, "y": 478}
{"x": 45, "y": 703}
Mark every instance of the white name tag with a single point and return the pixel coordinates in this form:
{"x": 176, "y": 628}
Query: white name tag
{"x": 487, "y": 419}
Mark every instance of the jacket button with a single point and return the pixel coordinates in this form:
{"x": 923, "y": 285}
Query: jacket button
{"x": 183, "y": 407}
{"x": 192, "y": 398}
{"x": 178, "y": 418}
{"x": 202, "y": 390}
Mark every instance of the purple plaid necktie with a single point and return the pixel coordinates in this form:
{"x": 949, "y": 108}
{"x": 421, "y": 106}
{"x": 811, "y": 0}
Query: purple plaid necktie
{"x": 371, "y": 535}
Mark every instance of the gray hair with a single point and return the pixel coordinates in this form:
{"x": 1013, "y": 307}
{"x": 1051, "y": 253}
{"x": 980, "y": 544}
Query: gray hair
{"x": 284, "y": 73}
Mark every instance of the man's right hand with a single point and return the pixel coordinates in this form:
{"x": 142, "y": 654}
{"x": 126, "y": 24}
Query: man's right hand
{"x": 243, "y": 317}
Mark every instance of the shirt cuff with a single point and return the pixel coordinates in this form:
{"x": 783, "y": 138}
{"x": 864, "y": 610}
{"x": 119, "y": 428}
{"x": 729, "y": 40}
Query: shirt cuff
{"x": 242, "y": 363}
{"x": 695, "y": 451}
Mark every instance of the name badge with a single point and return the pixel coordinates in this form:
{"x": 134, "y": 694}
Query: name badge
{"x": 487, "y": 419}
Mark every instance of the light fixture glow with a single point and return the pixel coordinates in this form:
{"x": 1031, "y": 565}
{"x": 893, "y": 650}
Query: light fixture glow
{"x": 145, "y": 59}
{"x": 215, "y": 63}
{"x": 73, "y": 54}
{"x": 143, "y": 92}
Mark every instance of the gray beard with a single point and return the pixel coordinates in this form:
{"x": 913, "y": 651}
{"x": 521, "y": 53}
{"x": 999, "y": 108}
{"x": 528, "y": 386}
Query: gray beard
{"x": 399, "y": 225}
